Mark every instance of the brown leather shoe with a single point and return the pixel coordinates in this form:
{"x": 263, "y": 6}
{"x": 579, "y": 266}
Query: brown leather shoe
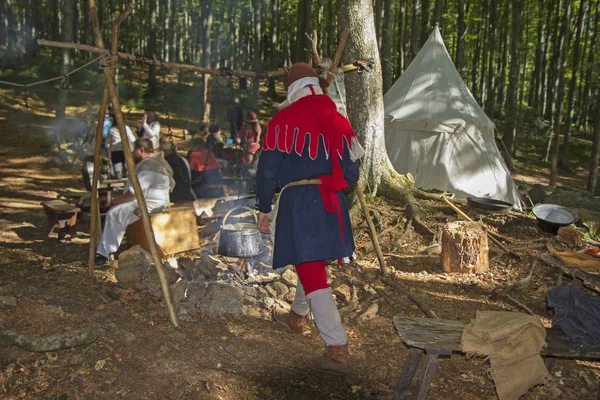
{"x": 292, "y": 321}
{"x": 335, "y": 361}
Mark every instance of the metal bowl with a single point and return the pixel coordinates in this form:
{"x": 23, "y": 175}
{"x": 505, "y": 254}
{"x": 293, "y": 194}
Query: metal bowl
{"x": 551, "y": 217}
{"x": 493, "y": 205}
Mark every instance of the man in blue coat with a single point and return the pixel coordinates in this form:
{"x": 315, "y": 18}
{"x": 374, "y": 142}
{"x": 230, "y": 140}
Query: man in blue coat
{"x": 311, "y": 152}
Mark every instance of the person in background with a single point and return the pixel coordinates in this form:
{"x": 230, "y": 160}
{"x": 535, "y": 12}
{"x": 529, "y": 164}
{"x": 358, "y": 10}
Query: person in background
{"x": 150, "y": 128}
{"x": 214, "y": 140}
{"x": 312, "y": 153}
{"x": 201, "y": 134}
{"x": 250, "y": 136}
{"x": 182, "y": 192}
{"x": 206, "y": 171}
{"x": 235, "y": 116}
{"x": 114, "y": 146}
{"x": 156, "y": 181}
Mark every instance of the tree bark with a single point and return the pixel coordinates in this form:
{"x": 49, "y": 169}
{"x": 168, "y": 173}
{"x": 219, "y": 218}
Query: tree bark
{"x": 587, "y": 94}
{"x": 273, "y": 45}
{"x": 593, "y": 174}
{"x": 152, "y": 44}
{"x": 414, "y": 29}
{"x": 206, "y": 30}
{"x": 66, "y": 63}
{"x": 460, "y": 39}
{"x": 400, "y": 48}
{"x": 366, "y": 111}
{"x": 492, "y": 68}
{"x": 387, "y": 45}
{"x": 560, "y": 90}
{"x": 572, "y": 83}
{"x": 257, "y": 52}
{"x": 510, "y": 131}
{"x": 425, "y": 27}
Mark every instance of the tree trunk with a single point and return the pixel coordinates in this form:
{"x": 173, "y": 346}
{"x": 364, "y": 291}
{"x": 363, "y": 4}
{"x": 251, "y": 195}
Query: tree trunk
{"x": 465, "y": 248}
{"x": 366, "y": 111}
{"x": 304, "y": 26}
{"x": 400, "y": 48}
{"x": 378, "y": 4}
{"x": 152, "y": 44}
{"x": 475, "y": 65}
{"x": 206, "y": 29}
{"x": 587, "y": 94}
{"x": 387, "y": 46}
{"x": 510, "y": 131}
{"x": 536, "y": 85}
{"x": 3, "y": 25}
{"x": 553, "y": 67}
{"x": 67, "y": 30}
{"x": 273, "y": 47}
{"x": 460, "y": 39}
{"x": 593, "y": 175}
{"x": 492, "y": 68}
{"x": 572, "y": 84}
{"x": 414, "y": 30}
{"x": 257, "y": 52}
{"x": 425, "y": 28}
{"x": 560, "y": 90}
{"x": 545, "y": 54}
{"x": 438, "y": 15}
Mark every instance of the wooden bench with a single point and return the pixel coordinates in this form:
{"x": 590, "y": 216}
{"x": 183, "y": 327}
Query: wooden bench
{"x": 61, "y": 215}
{"x": 438, "y": 337}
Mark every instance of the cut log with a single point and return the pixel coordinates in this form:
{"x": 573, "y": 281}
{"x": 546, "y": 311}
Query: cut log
{"x": 465, "y": 248}
{"x": 55, "y": 342}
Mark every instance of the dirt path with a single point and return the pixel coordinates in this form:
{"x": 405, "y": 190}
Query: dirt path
{"x": 141, "y": 356}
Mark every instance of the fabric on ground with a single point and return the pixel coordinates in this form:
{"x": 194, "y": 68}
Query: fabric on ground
{"x": 577, "y": 314}
{"x": 512, "y": 341}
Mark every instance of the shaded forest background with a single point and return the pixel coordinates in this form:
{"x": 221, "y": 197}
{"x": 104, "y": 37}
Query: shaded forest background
{"x": 528, "y": 62}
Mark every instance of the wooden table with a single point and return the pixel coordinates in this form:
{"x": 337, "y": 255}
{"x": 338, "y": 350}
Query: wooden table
{"x": 107, "y": 186}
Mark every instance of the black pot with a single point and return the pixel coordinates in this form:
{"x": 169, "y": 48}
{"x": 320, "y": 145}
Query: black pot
{"x": 492, "y": 205}
{"x": 551, "y": 217}
{"x": 241, "y": 239}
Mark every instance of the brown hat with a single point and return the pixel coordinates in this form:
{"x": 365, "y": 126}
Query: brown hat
{"x": 251, "y": 116}
{"x": 302, "y": 70}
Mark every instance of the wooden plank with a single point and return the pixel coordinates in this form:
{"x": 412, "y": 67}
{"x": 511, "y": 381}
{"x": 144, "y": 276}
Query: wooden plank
{"x": 426, "y": 375}
{"x": 560, "y": 345}
{"x": 408, "y": 373}
{"x": 429, "y": 333}
{"x": 60, "y": 206}
{"x": 590, "y": 279}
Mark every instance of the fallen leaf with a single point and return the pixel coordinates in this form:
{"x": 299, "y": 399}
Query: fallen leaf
{"x": 267, "y": 391}
{"x": 100, "y": 364}
{"x": 100, "y": 307}
{"x": 51, "y": 357}
{"x": 41, "y": 302}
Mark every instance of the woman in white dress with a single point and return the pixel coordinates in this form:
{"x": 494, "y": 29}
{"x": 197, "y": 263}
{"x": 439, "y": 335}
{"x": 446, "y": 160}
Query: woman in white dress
{"x": 115, "y": 148}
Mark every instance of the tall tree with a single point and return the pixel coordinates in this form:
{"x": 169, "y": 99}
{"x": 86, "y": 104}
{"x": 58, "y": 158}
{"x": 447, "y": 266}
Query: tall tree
{"x": 414, "y": 29}
{"x": 152, "y": 44}
{"x": 563, "y": 43}
{"x": 366, "y": 110}
{"x": 593, "y": 174}
{"x": 510, "y": 131}
{"x": 256, "y": 51}
{"x": 425, "y": 27}
{"x": 572, "y": 83}
{"x": 387, "y": 45}
{"x": 491, "y": 71}
{"x": 67, "y": 36}
{"x": 460, "y": 36}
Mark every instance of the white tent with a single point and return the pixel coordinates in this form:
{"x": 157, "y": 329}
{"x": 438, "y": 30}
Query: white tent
{"x": 435, "y": 130}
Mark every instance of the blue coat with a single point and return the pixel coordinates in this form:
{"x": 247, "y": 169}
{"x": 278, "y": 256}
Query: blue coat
{"x": 304, "y": 230}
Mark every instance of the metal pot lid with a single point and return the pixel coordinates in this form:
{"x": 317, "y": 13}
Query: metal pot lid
{"x": 554, "y": 214}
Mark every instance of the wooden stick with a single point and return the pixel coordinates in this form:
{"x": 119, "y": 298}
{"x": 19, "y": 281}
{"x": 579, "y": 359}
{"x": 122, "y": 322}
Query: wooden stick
{"x": 184, "y": 67}
{"x": 514, "y": 302}
{"x": 400, "y": 288}
{"x": 338, "y": 54}
{"x": 108, "y": 78}
{"x": 365, "y": 209}
{"x": 95, "y": 223}
{"x": 465, "y": 216}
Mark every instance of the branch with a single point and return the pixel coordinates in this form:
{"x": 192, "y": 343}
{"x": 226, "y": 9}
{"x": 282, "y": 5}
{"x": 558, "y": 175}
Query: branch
{"x": 313, "y": 39}
{"x": 59, "y": 341}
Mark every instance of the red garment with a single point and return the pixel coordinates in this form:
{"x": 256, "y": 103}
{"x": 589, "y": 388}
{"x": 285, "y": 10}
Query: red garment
{"x": 330, "y": 126}
{"x": 250, "y": 133}
{"x": 312, "y": 275}
{"x": 198, "y": 161}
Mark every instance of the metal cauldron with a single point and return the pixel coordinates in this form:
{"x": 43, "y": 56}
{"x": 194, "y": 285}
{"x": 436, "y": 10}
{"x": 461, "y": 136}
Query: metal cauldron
{"x": 550, "y": 217}
{"x": 241, "y": 239}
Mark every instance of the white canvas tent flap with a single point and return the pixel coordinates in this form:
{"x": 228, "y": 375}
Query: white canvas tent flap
{"x": 435, "y": 130}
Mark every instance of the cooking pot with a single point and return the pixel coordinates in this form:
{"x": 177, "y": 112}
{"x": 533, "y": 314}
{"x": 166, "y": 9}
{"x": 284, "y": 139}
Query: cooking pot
{"x": 240, "y": 239}
{"x": 550, "y": 217}
{"x": 493, "y": 205}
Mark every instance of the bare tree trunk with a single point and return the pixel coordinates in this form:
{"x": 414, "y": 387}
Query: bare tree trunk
{"x": 438, "y": 14}
{"x": 304, "y": 26}
{"x": 152, "y": 44}
{"x": 560, "y": 90}
{"x": 572, "y": 83}
{"x": 510, "y": 131}
{"x": 536, "y": 85}
{"x": 206, "y": 28}
{"x": 366, "y": 111}
{"x": 400, "y": 47}
{"x": 425, "y": 28}
{"x": 491, "y": 71}
{"x": 475, "y": 65}
{"x": 273, "y": 47}
{"x": 257, "y": 61}
{"x": 3, "y": 26}
{"x": 65, "y": 67}
{"x": 553, "y": 67}
{"x": 587, "y": 94}
{"x": 378, "y": 4}
{"x": 387, "y": 45}
{"x": 414, "y": 29}
{"x": 460, "y": 40}
{"x": 593, "y": 174}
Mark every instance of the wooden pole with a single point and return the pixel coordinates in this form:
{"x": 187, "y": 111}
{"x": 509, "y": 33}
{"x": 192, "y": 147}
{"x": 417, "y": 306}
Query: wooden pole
{"x": 135, "y": 183}
{"x": 186, "y": 67}
{"x": 338, "y": 54}
{"x": 95, "y": 222}
{"x": 365, "y": 209}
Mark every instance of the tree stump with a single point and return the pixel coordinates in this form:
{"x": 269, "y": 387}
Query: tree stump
{"x": 465, "y": 248}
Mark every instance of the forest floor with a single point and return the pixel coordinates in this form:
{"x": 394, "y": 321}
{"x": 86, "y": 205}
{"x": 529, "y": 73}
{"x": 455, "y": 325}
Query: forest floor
{"x": 140, "y": 355}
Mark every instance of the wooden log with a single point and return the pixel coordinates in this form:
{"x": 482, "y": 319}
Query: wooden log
{"x": 183, "y": 67}
{"x": 55, "y": 342}
{"x": 135, "y": 183}
{"x": 465, "y": 248}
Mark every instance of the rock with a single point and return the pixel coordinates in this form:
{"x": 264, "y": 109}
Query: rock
{"x": 369, "y": 314}
{"x": 290, "y": 296}
{"x": 575, "y": 200}
{"x": 537, "y": 194}
{"x": 221, "y": 299}
{"x": 151, "y": 282}
{"x": 183, "y": 310}
{"x": 270, "y": 302}
{"x": 171, "y": 263}
{"x": 126, "y": 336}
{"x": 209, "y": 266}
{"x": 343, "y": 293}
{"x": 279, "y": 288}
{"x": 290, "y": 278}
{"x": 195, "y": 293}
{"x": 251, "y": 301}
{"x": 134, "y": 257}
{"x": 7, "y": 302}
{"x": 256, "y": 312}
{"x": 178, "y": 290}
{"x": 261, "y": 292}
{"x": 250, "y": 291}
{"x": 271, "y": 292}
{"x": 185, "y": 263}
